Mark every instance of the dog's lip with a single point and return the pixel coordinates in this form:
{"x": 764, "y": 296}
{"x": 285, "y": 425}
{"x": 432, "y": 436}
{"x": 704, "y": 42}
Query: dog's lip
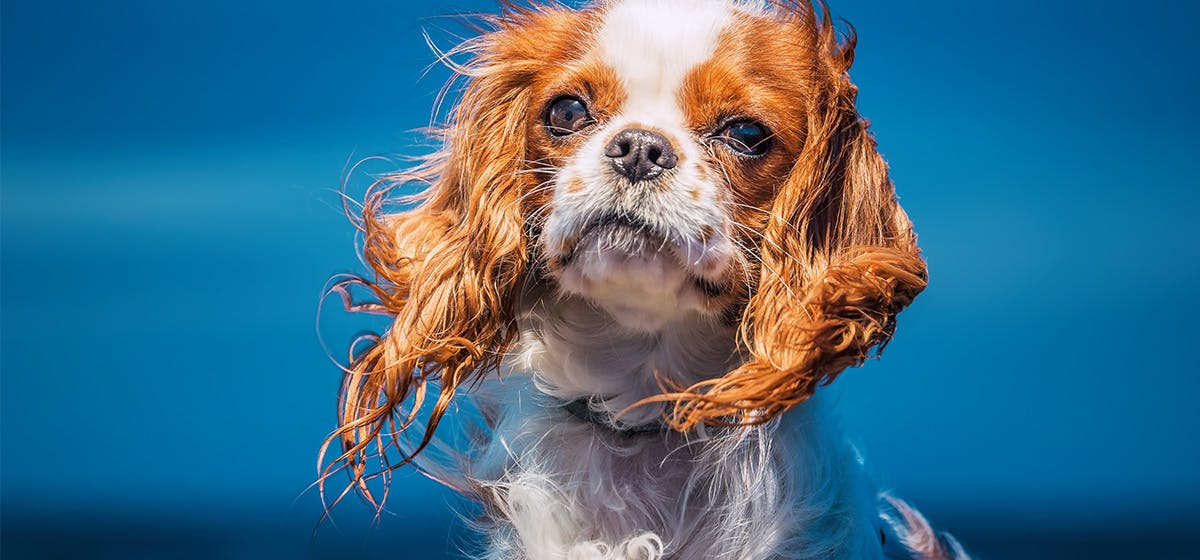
{"x": 707, "y": 287}
{"x": 614, "y": 219}
{"x": 610, "y": 220}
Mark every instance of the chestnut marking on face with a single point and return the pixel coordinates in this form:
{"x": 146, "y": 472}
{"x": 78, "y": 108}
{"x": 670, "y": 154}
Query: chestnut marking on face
{"x": 575, "y": 185}
{"x": 652, "y": 45}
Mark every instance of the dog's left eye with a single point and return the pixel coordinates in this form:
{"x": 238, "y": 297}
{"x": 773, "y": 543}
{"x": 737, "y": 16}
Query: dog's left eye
{"x": 745, "y": 137}
{"x": 566, "y": 116}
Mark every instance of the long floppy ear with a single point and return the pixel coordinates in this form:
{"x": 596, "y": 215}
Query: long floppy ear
{"x": 839, "y": 261}
{"x": 445, "y": 271}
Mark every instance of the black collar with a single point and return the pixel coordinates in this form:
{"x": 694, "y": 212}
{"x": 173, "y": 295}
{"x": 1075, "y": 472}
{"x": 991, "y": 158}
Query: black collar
{"x": 580, "y": 409}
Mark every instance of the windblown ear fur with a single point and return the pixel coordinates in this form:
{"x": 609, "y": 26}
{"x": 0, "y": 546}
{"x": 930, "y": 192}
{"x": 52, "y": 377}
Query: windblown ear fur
{"x": 445, "y": 271}
{"x": 839, "y": 261}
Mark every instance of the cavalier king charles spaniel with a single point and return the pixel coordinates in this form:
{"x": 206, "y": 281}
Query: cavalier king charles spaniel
{"x": 653, "y": 231}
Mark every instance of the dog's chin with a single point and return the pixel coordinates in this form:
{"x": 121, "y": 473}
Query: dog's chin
{"x": 635, "y": 276}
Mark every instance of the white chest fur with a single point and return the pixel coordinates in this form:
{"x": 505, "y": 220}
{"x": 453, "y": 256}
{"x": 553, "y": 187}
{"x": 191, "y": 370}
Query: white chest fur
{"x": 566, "y": 489}
{"x": 563, "y": 488}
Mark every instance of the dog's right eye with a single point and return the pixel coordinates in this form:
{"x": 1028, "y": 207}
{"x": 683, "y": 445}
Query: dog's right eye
{"x": 566, "y": 116}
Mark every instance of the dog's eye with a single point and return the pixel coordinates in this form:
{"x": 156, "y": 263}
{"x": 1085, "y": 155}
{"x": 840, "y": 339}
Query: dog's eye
{"x": 566, "y": 116}
{"x": 745, "y": 137}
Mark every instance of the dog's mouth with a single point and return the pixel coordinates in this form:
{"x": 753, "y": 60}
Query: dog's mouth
{"x": 631, "y": 238}
{"x": 619, "y": 233}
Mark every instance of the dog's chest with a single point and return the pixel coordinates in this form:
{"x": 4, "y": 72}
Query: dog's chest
{"x": 584, "y": 491}
{"x": 560, "y": 487}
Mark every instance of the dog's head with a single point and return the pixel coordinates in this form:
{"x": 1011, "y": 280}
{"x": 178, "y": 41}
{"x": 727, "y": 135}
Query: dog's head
{"x": 664, "y": 159}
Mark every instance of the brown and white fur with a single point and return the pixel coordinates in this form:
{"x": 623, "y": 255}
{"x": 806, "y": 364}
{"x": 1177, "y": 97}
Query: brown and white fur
{"x": 668, "y": 214}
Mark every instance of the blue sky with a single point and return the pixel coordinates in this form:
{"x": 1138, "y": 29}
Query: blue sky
{"x": 169, "y": 217}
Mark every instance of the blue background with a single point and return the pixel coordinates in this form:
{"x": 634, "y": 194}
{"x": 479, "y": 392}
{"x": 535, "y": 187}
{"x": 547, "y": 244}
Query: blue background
{"x": 170, "y": 215}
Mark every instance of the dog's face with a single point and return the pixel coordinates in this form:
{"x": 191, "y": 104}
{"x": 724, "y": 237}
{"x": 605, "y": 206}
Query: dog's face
{"x": 666, "y": 160}
{"x": 667, "y": 135}
{"x": 664, "y": 138}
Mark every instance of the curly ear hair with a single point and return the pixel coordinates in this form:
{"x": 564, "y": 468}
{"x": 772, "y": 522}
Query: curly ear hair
{"x": 839, "y": 259}
{"x": 445, "y": 270}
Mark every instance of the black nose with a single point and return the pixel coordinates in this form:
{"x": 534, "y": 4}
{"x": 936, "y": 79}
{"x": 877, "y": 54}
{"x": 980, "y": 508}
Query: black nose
{"x": 640, "y": 155}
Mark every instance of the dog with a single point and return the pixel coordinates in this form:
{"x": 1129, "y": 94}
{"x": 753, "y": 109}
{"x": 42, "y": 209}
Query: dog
{"x": 653, "y": 231}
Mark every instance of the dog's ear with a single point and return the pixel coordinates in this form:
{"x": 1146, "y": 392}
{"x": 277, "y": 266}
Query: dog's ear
{"x": 839, "y": 261}
{"x": 445, "y": 270}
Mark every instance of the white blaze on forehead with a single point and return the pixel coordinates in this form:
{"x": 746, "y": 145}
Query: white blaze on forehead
{"x": 652, "y": 45}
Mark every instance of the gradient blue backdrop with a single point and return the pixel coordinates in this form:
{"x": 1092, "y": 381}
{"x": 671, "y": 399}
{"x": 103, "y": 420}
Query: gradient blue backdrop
{"x": 169, "y": 217}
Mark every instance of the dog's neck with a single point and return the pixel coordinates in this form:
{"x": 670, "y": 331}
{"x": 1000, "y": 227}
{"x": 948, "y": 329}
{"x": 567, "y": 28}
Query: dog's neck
{"x": 582, "y": 410}
{"x": 575, "y": 350}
